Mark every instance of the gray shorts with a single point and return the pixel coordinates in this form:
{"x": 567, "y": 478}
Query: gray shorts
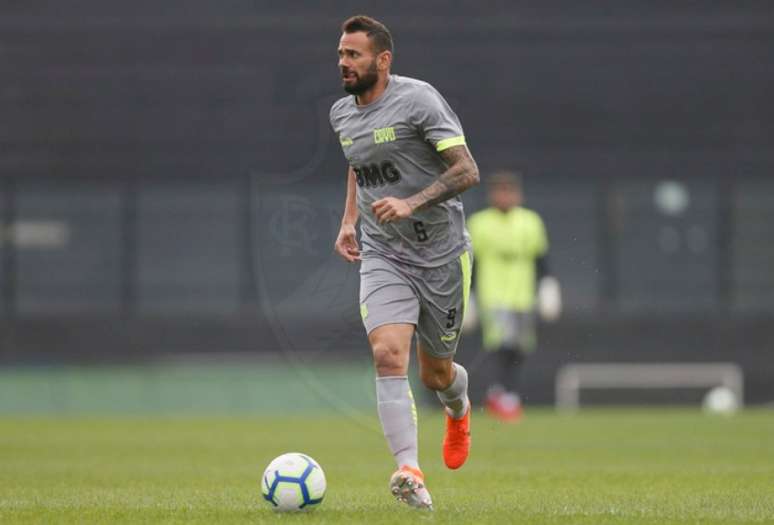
{"x": 432, "y": 299}
{"x": 511, "y": 329}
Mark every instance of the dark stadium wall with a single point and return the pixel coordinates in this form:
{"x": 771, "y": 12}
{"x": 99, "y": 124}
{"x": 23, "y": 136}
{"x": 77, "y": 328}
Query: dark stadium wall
{"x": 169, "y": 183}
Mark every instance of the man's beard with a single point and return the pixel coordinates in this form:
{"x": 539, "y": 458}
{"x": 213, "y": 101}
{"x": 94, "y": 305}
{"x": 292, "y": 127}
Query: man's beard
{"x": 365, "y": 82}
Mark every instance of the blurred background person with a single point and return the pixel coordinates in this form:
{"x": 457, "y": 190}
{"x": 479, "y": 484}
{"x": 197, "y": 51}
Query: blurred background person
{"x": 512, "y": 285}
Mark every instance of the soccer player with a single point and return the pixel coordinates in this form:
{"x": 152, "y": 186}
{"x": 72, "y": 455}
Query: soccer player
{"x": 408, "y": 163}
{"x": 511, "y": 249}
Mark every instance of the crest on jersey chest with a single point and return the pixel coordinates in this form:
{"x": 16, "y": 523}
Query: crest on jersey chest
{"x": 361, "y": 140}
{"x": 382, "y": 135}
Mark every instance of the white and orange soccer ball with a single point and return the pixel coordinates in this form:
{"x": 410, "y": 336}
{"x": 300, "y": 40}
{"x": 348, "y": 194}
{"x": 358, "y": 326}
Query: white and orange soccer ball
{"x": 293, "y": 482}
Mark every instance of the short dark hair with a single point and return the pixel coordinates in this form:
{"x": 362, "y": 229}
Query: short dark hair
{"x": 506, "y": 179}
{"x": 380, "y": 36}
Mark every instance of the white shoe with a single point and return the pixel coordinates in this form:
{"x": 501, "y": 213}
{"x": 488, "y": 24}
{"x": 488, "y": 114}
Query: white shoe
{"x": 407, "y": 484}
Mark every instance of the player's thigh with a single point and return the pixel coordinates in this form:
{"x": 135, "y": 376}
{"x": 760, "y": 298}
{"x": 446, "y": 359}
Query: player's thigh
{"x": 443, "y": 297}
{"x": 387, "y": 295}
{"x": 389, "y": 308}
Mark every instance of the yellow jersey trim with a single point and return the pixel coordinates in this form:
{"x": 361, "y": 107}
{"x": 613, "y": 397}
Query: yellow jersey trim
{"x": 467, "y": 275}
{"x": 450, "y": 142}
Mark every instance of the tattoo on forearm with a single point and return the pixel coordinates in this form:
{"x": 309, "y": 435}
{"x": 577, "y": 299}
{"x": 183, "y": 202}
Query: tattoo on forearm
{"x": 461, "y": 175}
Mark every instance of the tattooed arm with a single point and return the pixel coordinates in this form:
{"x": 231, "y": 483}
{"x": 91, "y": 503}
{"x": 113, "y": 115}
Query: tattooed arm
{"x": 461, "y": 174}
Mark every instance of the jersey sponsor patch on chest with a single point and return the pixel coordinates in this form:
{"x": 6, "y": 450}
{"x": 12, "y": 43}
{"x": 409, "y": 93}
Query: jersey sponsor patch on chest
{"x": 383, "y": 135}
{"x": 375, "y": 175}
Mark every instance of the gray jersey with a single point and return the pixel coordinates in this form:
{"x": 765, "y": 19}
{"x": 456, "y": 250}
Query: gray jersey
{"x": 393, "y": 146}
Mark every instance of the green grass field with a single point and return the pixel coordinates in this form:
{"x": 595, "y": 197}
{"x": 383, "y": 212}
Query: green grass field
{"x": 603, "y": 466}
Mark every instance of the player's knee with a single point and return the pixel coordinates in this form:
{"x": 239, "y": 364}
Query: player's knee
{"x": 388, "y": 359}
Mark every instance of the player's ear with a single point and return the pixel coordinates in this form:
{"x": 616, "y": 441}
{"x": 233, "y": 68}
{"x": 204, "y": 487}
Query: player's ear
{"x": 384, "y": 60}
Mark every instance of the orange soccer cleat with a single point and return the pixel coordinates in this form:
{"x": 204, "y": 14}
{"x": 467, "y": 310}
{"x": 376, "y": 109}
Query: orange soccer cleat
{"x": 504, "y": 406}
{"x": 456, "y": 442}
{"x": 407, "y": 484}
{"x": 510, "y": 408}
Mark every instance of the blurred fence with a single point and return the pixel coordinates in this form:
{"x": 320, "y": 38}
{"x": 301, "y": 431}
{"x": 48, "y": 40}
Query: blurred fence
{"x": 182, "y": 246}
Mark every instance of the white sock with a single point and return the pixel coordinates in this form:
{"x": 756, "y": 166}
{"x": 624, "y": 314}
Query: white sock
{"x": 455, "y": 397}
{"x": 398, "y": 415}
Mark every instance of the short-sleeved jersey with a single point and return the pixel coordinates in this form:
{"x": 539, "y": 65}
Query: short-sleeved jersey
{"x": 505, "y": 245}
{"x": 393, "y": 147}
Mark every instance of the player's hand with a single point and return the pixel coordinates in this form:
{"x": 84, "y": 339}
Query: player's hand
{"x": 390, "y": 209}
{"x": 346, "y": 244}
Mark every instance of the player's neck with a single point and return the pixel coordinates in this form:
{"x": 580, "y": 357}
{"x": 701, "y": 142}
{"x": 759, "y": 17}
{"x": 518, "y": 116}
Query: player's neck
{"x": 373, "y": 94}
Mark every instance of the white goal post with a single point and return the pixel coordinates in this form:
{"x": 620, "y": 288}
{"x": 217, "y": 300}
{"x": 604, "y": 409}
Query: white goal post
{"x": 571, "y": 378}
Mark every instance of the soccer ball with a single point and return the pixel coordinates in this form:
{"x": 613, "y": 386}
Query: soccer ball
{"x": 720, "y": 400}
{"x": 293, "y": 482}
